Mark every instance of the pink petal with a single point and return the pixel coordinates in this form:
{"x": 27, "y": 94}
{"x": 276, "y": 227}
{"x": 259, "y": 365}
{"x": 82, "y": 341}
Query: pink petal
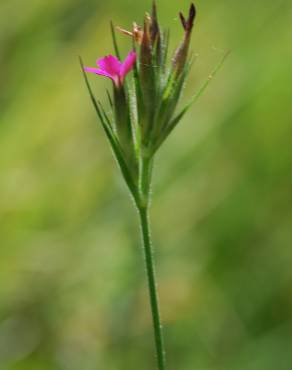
{"x": 110, "y": 65}
{"x": 98, "y": 72}
{"x": 128, "y": 64}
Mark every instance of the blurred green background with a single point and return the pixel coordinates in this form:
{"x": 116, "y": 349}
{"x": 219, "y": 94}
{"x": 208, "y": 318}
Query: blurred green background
{"x": 72, "y": 287}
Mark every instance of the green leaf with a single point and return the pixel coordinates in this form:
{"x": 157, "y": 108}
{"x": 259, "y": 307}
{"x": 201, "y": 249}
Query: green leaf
{"x": 109, "y": 99}
{"x": 107, "y": 120}
{"x": 195, "y": 97}
{"x": 165, "y": 47}
{"x": 176, "y": 91}
{"x": 169, "y": 101}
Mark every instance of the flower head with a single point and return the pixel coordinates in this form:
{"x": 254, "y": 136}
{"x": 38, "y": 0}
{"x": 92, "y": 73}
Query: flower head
{"x": 141, "y": 115}
{"x": 112, "y": 68}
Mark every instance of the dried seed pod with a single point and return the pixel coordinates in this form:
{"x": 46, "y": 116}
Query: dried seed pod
{"x": 136, "y": 34}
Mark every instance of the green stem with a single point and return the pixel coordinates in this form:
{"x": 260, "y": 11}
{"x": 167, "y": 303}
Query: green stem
{"x": 150, "y": 269}
{"x": 152, "y": 286}
{"x": 146, "y": 167}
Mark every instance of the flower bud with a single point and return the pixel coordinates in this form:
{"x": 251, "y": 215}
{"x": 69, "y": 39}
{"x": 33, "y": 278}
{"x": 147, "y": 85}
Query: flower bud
{"x": 181, "y": 53}
{"x": 156, "y": 38}
{"x": 147, "y": 75}
{"x": 146, "y": 45}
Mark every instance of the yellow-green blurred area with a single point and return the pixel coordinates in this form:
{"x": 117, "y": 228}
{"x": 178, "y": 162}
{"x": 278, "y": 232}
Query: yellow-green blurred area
{"x": 73, "y": 292}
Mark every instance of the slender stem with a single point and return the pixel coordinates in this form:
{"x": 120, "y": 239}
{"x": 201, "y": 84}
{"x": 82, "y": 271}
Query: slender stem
{"x": 145, "y": 174}
{"x": 153, "y": 294}
{"x": 143, "y": 208}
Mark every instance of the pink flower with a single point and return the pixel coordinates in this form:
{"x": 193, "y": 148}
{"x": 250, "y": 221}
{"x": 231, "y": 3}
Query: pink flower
{"x": 112, "y": 68}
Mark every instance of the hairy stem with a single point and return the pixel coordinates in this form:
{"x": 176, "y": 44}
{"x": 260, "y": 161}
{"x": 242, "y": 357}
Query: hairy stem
{"x": 149, "y": 262}
{"x": 152, "y": 286}
{"x": 145, "y": 175}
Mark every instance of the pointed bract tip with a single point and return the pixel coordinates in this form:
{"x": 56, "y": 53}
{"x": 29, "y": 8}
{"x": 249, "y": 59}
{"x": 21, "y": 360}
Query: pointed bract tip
{"x": 193, "y": 11}
{"x": 154, "y": 23}
{"x": 183, "y": 20}
{"x": 154, "y": 9}
{"x": 147, "y": 24}
{"x": 189, "y": 22}
{"x": 192, "y": 16}
{"x": 180, "y": 58}
{"x": 147, "y": 17}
